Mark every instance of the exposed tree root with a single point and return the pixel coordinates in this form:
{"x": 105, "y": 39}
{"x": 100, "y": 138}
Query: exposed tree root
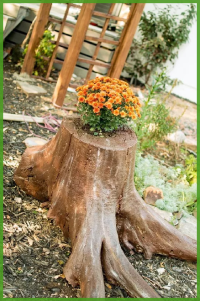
{"x": 89, "y": 182}
{"x": 142, "y": 230}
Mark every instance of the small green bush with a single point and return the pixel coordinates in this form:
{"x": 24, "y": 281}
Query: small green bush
{"x": 155, "y": 122}
{"x": 45, "y": 49}
{"x": 162, "y": 32}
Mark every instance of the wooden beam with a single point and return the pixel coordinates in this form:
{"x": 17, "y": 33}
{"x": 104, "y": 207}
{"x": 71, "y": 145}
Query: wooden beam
{"x": 76, "y": 5}
{"x": 93, "y": 62}
{"x": 57, "y": 41}
{"x": 100, "y": 14}
{"x": 54, "y": 20}
{"x": 88, "y": 38}
{"x": 60, "y": 44}
{"x": 80, "y": 59}
{"x": 121, "y": 52}
{"x": 73, "y": 53}
{"x": 37, "y": 34}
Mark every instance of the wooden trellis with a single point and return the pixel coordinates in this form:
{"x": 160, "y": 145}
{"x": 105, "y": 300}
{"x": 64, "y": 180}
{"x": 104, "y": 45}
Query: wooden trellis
{"x": 78, "y": 37}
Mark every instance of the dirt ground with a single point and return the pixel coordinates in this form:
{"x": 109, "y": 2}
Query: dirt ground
{"x": 34, "y": 249}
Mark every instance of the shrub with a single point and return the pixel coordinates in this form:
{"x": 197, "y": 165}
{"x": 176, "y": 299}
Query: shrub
{"x": 155, "y": 122}
{"x": 45, "y": 49}
{"x": 106, "y": 104}
{"x": 161, "y": 34}
{"x": 191, "y": 169}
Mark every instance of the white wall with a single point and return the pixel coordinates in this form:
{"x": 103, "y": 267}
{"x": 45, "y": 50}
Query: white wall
{"x": 185, "y": 68}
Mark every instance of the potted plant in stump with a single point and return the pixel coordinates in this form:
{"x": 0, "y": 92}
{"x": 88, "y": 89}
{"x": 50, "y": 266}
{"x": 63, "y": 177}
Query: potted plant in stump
{"x": 86, "y": 172}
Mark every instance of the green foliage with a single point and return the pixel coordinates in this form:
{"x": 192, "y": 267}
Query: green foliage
{"x": 106, "y": 122}
{"x": 161, "y": 34}
{"x": 177, "y": 191}
{"x": 191, "y": 169}
{"x": 155, "y": 122}
{"x": 45, "y": 49}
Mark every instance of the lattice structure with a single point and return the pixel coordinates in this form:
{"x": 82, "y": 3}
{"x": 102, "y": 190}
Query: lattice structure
{"x": 79, "y": 36}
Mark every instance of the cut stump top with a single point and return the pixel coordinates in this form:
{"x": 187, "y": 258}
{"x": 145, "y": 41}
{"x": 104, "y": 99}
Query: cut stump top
{"x": 119, "y": 140}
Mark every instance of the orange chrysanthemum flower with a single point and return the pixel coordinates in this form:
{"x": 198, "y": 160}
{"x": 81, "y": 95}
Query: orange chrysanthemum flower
{"x": 116, "y": 112}
{"x": 95, "y": 104}
{"x": 123, "y": 114}
{"x": 97, "y": 95}
{"x": 96, "y": 110}
{"x": 118, "y": 100}
{"x": 125, "y": 95}
{"x": 111, "y": 100}
{"x": 91, "y": 97}
{"x": 102, "y": 93}
{"x": 108, "y": 105}
{"x": 133, "y": 116}
{"x": 81, "y": 99}
{"x": 102, "y": 99}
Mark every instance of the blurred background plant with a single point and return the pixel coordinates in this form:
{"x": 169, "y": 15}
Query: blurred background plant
{"x": 161, "y": 33}
{"x": 180, "y": 193}
{"x": 155, "y": 122}
{"x": 178, "y": 183}
{"x": 45, "y": 49}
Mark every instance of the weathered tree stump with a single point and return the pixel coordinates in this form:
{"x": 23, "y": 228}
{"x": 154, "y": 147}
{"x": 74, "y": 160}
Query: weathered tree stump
{"x": 89, "y": 183}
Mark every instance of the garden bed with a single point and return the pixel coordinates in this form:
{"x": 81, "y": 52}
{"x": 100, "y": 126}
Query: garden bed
{"x": 34, "y": 248}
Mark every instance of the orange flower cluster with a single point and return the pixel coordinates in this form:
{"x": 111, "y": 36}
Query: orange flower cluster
{"x": 110, "y": 93}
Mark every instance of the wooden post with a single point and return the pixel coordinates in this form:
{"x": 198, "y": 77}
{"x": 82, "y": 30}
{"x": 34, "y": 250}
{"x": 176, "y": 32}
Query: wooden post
{"x": 120, "y": 55}
{"x": 73, "y": 53}
{"x": 38, "y": 30}
{"x": 58, "y": 40}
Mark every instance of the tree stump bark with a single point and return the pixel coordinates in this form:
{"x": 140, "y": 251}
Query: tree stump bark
{"x": 89, "y": 183}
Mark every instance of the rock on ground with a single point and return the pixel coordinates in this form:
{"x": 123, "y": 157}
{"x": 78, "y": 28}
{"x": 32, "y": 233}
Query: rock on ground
{"x": 152, "y": 194}
{"x": 30, "y": 89}
{"x": 188, "y": 226}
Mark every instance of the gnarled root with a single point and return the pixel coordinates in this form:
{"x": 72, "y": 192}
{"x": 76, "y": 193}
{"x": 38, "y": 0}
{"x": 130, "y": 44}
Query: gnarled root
{"x": 143, "y": 230}
{"x": 119, "y": 270}
{"x": 96, "y": 247}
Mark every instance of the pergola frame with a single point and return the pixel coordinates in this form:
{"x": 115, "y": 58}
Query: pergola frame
{"x": 79, "y": 35}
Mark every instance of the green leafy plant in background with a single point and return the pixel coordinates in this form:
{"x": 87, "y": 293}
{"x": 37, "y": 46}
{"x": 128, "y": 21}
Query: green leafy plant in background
{"x": 191, "y": 169}
{"x": 155, "y": 122}
{"x": 162, "y": 32}
{"x": 179, "y": 194}
{"x": 45, "y": 49}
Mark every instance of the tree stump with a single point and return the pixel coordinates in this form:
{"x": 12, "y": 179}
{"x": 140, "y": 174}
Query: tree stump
{"x": 89, "y": 183}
